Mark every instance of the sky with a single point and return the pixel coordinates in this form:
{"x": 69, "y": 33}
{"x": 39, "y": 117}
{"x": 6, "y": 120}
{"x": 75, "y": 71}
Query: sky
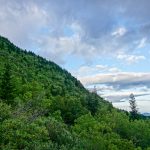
{"x": 102, "y": 43}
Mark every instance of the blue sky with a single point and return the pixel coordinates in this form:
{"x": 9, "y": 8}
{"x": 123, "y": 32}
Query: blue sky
{"x": 102, "y": 43}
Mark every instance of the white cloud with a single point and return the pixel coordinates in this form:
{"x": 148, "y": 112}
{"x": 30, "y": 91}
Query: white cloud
{"x": 19, "y": 21}
{"x": 114, "y": 70}
{"x": 58, "y": 48}
{"x": 142, "y": 43}
{"x": 117, "y": 79}
{"x": 130, "y": 58}
{"x": 119, "y": 32}
{"x": 91, "y": 70}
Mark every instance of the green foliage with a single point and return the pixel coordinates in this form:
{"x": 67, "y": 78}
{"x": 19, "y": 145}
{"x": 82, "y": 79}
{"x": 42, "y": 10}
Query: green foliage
{"x": 18, "y": 134}
{"x": 70, "y": 108}
{"x": 99, "y": 135}
{"x": 43, "y": 107}
{"x": 5, "y": 111}
{"x": 92, "y": 102}
{"x": 7, "y": 86}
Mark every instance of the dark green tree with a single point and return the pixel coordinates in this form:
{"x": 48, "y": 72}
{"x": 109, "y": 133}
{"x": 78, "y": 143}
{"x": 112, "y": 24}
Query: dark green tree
{"x": 133, "y": 106}
{"x": 92, "y": 103}
{"x": 6, "y": 85}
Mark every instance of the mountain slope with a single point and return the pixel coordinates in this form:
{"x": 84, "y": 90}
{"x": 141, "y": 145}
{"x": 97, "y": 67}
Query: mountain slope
{"x": 29, "y": 71}
{"x": 43, "y": 107}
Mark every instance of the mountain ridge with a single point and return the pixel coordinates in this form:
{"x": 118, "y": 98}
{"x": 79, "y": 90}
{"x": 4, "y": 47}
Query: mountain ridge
{"x": 42, "y": 106}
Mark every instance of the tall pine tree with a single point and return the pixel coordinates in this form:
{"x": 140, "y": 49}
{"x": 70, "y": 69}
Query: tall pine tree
{"x": 6, "y": 85}
{"x": 133, "y": 106}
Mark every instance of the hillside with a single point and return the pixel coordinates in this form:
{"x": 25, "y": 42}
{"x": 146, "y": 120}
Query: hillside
{"x": 42, "y": 106}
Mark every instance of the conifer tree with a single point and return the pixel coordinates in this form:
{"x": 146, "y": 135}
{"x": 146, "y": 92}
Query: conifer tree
{"x": 6, "y": 85}
{"x": 133, "y": 106}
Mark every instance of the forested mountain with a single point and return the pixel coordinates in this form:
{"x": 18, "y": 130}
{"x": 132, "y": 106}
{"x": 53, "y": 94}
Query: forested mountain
{"x": 43, "y": 107}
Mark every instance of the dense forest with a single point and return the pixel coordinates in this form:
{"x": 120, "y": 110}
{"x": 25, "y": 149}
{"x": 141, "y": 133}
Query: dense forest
{"x": 43, "y": 107}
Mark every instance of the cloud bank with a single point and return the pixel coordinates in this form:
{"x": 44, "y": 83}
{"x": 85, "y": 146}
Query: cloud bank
{"x": 124, "y": 79}
{"x": 86, "y": 29}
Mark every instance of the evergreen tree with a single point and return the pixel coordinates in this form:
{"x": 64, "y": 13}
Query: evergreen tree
{"x": 92, "y": 103}
{"x": 133, "y": 106}
{"x": 6, "y": 85}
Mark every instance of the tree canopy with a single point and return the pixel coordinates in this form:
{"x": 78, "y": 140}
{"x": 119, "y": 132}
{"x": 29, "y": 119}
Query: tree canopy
{"x": 42, "y": 106}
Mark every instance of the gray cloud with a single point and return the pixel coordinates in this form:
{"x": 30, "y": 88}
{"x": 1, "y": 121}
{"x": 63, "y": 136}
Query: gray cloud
{"x": 21, "y": 20}
{"x": 25, "y": 22}
{"x": 114, "y": 84}
{"x": 118, "y": 80}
